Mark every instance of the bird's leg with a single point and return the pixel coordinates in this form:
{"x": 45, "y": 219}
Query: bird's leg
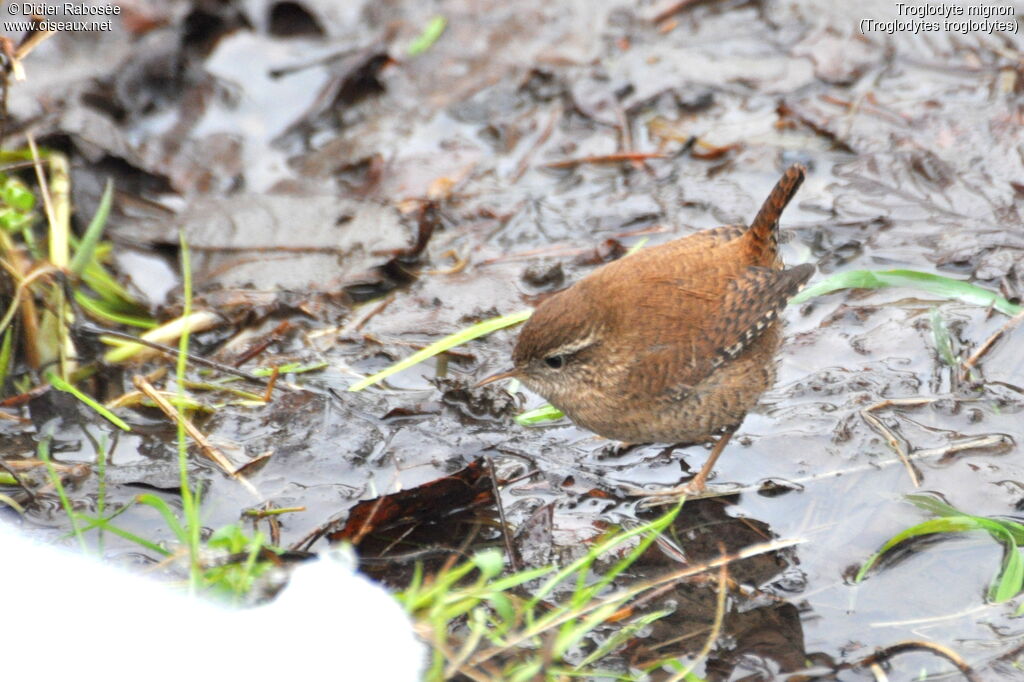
{"x": 698, "y": 482}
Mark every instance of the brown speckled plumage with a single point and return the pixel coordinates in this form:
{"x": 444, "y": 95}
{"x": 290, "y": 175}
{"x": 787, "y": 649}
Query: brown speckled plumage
{"x": 672, "y": 343}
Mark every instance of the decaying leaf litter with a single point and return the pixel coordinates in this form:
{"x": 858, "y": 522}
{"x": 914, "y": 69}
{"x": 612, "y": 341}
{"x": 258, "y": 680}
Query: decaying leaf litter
{"x": 377, "y": 200}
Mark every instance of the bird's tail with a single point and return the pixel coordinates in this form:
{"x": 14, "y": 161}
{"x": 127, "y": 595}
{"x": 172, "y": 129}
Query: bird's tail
{"x": 764, "y": 228}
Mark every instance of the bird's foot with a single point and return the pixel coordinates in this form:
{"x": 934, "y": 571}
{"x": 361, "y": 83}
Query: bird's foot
{"x": 691, "y": 490}
{"x": 688, "y": 489}
{"x": 617, "y": 449}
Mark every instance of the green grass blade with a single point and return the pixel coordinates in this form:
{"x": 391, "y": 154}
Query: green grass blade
{"x": 655, "y": 527}
{"x": 6, "y": 349}
{"x": 189, "y": 499}
{"x": 100, "y": 308}
{"x": 101, "y": 483}
{"x": 106, "y": 286}
{"x": 97, "y": 522}
{"x": 447, "y": 343}
{"x": 1014, "y": 529}
{"x": 170, "y": 518}
{"x": 943, "y": 341}
{"x": 431, "y": 32}
{"x": 571, "y": 633}
{"x": 1011, "y": 577}
{"x": 925, "y": 281}
{"x": 9, "y": 501}
{"x": 946, "y": 524}
{"x": 290, "y": 368}
{"x": 517, "y": 579}
{"x": 998, "y": 527}
{"x": 1009, "y": 533}
{"x": 544, "y": 413}
{"x": 933, "y": 504}
{"x": 622, "y": 636}
{"x": 44, "y": 454}
{"x": 624, "y": 563}
{"x": 93, "y": 233}
{"x": 640, "y": 243}
{"x": 490, "y": 563}
{"x": 64, "y": 386}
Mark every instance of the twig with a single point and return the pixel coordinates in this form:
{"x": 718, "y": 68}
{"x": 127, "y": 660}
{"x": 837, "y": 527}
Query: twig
{"x": 972, "y": 611}
{"x": 26, "y": 305}
{"x": 17, "y": 479}
{"x": 916, "y": 645}
{"x": 673, "y": 8}
{"x": 168, "y": 350}
{"x": 884, "y": 431}
{"x": 987, "y": 346}
{"x": 44, "y": 186}
{"x": 14, "y": 58}
{"x": 460, "y": 262}
{"x": 275, "y": 335}
{"x": 606, "y": 158}
{"x": 267, "y": 511}
{"x": 524, "y": 162}
{"x": 450, "y": 655}
{"x": 34, "y": 40}
{"x": 716, "y": 627}
{"x": 990, "y": 440}
{"x": 270, "y": 384}
{"x": 625, "y": 131}
{"x": 22, "y": 398}
{"x": 457, "y": 662}
{"x": 204, "y": 445}
{"x": 509, "y": 550}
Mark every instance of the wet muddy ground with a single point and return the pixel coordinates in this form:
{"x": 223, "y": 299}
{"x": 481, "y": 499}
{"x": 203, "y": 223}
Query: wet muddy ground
{"x": 378, "y": 200}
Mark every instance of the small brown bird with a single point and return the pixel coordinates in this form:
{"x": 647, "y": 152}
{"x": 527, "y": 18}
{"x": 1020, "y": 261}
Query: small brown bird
{"x": 671, "y": 344}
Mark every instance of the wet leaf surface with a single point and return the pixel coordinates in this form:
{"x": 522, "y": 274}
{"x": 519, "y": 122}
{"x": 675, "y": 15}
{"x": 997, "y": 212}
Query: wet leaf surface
{"x": 470, "y": 486}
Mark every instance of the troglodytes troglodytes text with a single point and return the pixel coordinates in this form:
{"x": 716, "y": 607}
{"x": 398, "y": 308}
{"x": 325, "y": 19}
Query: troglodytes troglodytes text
{"x": 671, "y": 344}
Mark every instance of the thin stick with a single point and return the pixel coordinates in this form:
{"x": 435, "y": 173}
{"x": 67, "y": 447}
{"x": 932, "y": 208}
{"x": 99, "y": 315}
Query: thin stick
{"x": 524, "y": 162}
{"x": 876, "y": 424}
{"x": 916, "y": 645}
{"x": 270, "y": 384}
{"x": 168, "y": 350}
{"x": 985, "y": 347}
{"x": 513, "y": 560}
{"x": 716, "y": 627}
{"x": 34, "y": 40}
{"x": 204, "y": 444}
{"x": 44, "y": 187}
{"x": 606, "y": 158}
{"x": 17, "y": 479}
{"x": 674, "y": 8}
{"x": 26, "y": 305}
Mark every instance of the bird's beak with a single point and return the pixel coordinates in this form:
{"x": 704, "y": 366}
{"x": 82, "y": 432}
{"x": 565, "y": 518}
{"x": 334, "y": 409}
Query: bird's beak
{"x": 497, "y": 377}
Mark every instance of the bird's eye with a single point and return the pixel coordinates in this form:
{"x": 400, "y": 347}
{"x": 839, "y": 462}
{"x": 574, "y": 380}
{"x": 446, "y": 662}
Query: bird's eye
{"x": 555, "y": 361}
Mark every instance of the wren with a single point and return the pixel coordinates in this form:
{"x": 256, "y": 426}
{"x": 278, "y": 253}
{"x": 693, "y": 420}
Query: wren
{"x": 671, "y": 344}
